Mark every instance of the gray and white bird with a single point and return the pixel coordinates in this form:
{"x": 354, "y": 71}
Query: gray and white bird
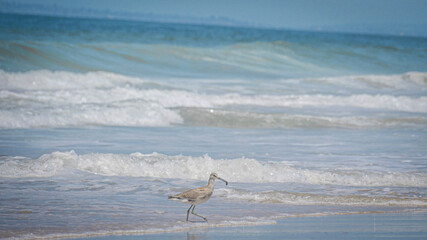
{"x": 198, "y": 195}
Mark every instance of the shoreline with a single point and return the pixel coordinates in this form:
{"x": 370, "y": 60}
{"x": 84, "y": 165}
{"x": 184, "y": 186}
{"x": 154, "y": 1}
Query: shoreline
{"x": 296, "y": 226}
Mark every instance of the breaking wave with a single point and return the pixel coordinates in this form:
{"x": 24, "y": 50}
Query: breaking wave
{"x": 157, "y": 165}
{"x": 60, "y": 99}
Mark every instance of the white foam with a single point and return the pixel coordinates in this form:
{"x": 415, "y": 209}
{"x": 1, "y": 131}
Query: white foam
{"x": 187, "y": 167}
{"x": 124, "y": 114}
{"x": 58, "y": 99}
{"x": 61, "y": 80}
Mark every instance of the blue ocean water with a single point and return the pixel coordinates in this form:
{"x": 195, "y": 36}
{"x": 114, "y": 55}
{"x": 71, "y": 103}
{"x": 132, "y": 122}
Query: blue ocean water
{"x": 101, "y": 120}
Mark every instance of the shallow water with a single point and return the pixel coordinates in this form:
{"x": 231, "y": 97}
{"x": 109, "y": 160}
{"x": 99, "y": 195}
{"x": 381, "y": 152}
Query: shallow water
{"x": 102, "y": 120}
{"x": 367, "y": 226}
{"x": 106, "y": 185}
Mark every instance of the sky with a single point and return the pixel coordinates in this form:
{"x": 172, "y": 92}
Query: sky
{"x": 407, "y": 17}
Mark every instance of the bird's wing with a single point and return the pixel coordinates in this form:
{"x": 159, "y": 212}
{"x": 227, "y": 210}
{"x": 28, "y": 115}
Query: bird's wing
{"x": 193, "y": 193}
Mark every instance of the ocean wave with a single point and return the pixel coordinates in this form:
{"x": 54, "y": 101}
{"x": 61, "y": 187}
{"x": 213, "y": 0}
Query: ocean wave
{"x": 249, "y": 58}
{"x": 295, "y": 198}
{"x": 388, "y": 102}
{"x": 183, "y": 98}
{"x": 65, "y": 80}
{"x": 59, "y": 99}
{"x": 47, "y": 80}
{"x": 123, "y": 114}
{"x": 157, "y": 165}
{"x": 155, "y": 49}
{"x": 405, "y": 81}
{"x": 240, "y": 119}
{"x": 262, "y": 59}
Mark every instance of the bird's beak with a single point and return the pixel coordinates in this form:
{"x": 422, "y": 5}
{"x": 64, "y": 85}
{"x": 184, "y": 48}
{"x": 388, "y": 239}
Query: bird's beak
{"x": 226, "y": 183}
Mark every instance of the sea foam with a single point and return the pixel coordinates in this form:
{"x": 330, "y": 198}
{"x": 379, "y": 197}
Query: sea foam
{"x": 59, "y": 99}
{"x": 243, "y": 170}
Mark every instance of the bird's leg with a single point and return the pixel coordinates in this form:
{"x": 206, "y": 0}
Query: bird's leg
{"x": 188, "y": 211}
{"x": 198, "y": 214}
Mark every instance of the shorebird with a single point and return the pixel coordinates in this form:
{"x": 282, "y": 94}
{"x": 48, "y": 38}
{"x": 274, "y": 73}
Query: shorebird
{"x": 198, "y": 195}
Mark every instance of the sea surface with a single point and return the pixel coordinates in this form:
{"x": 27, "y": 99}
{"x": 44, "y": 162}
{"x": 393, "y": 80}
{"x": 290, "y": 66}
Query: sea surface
{"x": 101, "y": 120}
